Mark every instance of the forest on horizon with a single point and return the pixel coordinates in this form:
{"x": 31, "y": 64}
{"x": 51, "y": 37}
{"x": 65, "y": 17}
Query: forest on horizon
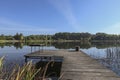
{"x": 63, "y": 36}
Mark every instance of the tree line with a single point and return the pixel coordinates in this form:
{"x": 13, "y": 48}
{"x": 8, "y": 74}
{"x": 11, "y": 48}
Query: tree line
{"x": 63, "y": 36}
{"x": 86, "y": 36}
{"x": 17, "y": 36}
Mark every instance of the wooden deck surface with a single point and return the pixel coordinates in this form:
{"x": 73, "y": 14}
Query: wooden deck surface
{"x": 79, "y": 66}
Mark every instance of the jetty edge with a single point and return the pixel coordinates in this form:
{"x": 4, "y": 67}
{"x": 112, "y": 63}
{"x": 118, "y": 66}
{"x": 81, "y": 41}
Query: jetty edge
{"x": 77, "y": 65}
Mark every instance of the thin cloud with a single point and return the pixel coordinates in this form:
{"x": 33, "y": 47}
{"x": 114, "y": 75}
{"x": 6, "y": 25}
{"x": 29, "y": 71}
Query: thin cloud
{"x": 114, "y": 29}
{"x": 65, "y": 8}
{"x": 9, "y": 25}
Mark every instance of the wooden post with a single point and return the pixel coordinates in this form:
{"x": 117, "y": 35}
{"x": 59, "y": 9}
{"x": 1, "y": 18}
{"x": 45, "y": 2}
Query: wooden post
{"x": 77, "y": 48}
{"x": 31, "y": 49}
{"x": 25, "y": 59}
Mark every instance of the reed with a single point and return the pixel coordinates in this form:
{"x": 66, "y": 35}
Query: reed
{"x": 26, "y": 72}
{"x": 1, "y": 62}
{"x": 1, "y": 67}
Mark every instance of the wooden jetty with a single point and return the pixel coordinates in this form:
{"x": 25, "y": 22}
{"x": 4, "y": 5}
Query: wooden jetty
{"x": 78, "y": 66}
{"x": 36, "y": 45}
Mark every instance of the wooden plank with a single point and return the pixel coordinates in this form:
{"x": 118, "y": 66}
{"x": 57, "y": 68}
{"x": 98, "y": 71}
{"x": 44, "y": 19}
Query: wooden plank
{"x": 79, "y": 66}
{"x": 36, "y": 45}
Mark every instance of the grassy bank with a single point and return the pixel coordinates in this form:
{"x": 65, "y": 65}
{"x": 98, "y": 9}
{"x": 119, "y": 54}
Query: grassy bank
{"x": 3, "y": 41}
{"x": 10, "y": 41}
{"x": 13, "y": 41}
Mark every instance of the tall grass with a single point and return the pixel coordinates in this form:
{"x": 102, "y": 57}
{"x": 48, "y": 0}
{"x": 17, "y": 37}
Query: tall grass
{"x": 1, "y": 62}
{"x": 26, "y": 72}
{"x": 1, "y": 67}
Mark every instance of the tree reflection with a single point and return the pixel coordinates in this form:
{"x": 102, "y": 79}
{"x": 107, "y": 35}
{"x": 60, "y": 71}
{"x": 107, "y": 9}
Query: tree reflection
{"x": 112, "y": 59}
{"x": 18, "y": 45}
{"x": 71, "y": 45}
{"x": 64, "y": 45}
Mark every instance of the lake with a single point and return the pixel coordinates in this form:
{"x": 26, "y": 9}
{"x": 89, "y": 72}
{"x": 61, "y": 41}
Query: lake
{"x": 14, "y": 52}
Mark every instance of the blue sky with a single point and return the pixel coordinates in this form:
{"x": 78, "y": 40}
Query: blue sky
{"x": 51, "y": 16}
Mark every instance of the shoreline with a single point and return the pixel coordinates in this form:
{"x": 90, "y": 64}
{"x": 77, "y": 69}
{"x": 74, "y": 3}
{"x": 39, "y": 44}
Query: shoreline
{"x": 96, "y": 41}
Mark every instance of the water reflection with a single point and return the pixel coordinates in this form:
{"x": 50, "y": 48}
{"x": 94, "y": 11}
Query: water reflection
{"x": 102, "y": 45}
{"x": 16, "y": 45}
{"x": 50, "y": 66}
{"x": 71, "y": 45}
{"x": 51, "y": 70}
{"x": 106, "y": 52}
{"x": 112, "y": 59}
{"x": 64, "y": 45}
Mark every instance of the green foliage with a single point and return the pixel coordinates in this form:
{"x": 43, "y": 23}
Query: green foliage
{"x": 4, "y": 37}
{"x": 38, "y": 37}
{"x": 62, "y": 37}
{"x": 18, "y": 36}
{"x": 104, "y": 36}
{"x": 71, "y": 36}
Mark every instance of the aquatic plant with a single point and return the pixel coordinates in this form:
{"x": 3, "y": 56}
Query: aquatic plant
{"x": 1, "y": 66}
{"x": 1, "y": 62}
{"x": 27, "y": 72}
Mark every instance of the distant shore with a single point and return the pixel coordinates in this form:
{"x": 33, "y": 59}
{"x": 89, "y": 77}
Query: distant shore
{"x": 14, "y": 41}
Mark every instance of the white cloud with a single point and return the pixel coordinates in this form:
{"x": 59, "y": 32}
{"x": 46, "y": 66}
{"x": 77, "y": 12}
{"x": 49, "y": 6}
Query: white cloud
{"x": 65, "y": 8}
{"x": 8, "y": 25}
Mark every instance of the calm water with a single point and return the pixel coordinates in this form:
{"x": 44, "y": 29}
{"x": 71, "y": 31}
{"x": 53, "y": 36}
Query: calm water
{"x": 14, "y": 52}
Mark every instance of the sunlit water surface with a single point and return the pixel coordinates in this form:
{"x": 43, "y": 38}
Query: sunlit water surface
{"x": 15, "y": 55}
